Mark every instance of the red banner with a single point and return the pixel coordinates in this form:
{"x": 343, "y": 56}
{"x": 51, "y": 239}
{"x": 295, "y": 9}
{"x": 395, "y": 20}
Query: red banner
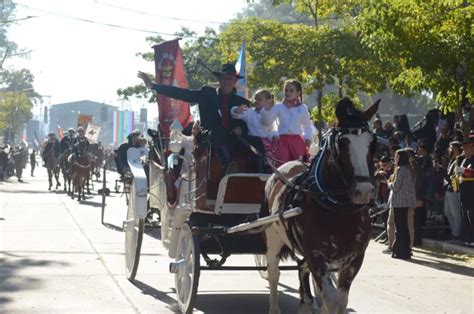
{"x": 169, "y": 70}
{"x": 83, "y": 120}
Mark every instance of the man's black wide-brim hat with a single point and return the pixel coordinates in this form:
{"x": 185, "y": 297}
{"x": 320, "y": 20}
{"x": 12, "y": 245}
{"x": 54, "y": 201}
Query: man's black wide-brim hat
{"x": 227, "y": 68}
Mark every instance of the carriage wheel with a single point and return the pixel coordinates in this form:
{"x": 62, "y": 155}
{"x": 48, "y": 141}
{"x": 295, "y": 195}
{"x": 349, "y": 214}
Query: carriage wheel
{"x": 133, "y": 242}
{"x": 261, "y": 261}
{"x": 187, "y": 276}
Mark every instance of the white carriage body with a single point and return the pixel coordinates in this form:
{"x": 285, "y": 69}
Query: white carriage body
{"x": 173, "y": 216}
{"x": 138, "y": 188}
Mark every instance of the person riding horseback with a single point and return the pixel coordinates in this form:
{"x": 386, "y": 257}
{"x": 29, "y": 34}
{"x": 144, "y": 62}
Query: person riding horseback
{"x": 66, "y": 142}
{"x": 120, "y": 154}
{"x": 214, "y": 108}
{"x": 51, "y": 144}
{"x": 75, "y": 143}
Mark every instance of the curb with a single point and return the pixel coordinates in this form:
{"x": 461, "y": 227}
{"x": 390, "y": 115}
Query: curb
{"x": 448, "y": 247}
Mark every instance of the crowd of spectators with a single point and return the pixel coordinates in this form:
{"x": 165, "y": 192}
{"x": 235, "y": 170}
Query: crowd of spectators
{"x": 439, "y": 161}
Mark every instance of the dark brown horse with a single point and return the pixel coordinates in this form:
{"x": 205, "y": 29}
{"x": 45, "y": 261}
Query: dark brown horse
{"x": 65, "y": 166}
{"x": 80, "y": 171}
{"x": 97, "y": 161}
{"x": 333, "y": 232}
{"x": 52, "y": 166}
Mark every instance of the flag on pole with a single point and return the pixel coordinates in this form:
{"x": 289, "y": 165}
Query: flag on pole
{"x": 60, "y": 132}
{"x": 240, "y": 66}
{"x": 169, "y": 70}
{"x": 92, "y": 133}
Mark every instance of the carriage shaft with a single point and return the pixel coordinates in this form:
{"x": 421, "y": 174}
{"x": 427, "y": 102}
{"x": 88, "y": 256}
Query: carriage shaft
{"x": 265, "y": 220}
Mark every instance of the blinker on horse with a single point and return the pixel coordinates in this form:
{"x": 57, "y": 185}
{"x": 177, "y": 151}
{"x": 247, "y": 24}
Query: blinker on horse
{"x": 333, "y": 232}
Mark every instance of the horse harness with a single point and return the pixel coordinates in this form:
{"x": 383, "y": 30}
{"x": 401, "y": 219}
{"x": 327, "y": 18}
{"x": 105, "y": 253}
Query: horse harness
{"x": 310, "y": 181}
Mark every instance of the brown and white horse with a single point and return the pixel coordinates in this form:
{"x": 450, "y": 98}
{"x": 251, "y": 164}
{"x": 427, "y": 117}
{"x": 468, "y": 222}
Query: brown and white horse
{"x": 334, "y": 229}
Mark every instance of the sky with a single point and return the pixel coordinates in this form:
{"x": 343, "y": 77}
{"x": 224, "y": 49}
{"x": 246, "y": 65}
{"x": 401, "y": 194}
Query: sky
{"x": 74, "y": 60}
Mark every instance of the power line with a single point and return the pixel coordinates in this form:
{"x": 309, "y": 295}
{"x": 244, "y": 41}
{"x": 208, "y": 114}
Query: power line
{"x": 158, "y": 16}
{"x": 306, "y": 21}
{"x": 103, "y": 23}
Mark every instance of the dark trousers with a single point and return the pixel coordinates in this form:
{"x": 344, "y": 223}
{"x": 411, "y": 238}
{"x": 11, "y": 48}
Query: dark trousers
{"x": 256, "y": 160}
{"x": 401, "y": 247}
{"x": 220, "y": 140}
{"x": 466, "y": 191}
{"x": 419, "y": 223}
{"x": 33, "y": 166}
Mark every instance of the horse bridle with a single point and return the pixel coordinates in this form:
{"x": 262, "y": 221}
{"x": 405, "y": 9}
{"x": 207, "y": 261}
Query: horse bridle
{"x": 333, "y": 139}
{"x": 314, "y": 182}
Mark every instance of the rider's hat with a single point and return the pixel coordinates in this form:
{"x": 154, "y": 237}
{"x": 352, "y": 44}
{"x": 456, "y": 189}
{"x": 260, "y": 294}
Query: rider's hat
{"x": 71, "y": 130}
{"x": 80, "y": 129}
{"x": 136, "y": 132}
{"x": 51, "y": 133}
{"x": 227, "y": 68}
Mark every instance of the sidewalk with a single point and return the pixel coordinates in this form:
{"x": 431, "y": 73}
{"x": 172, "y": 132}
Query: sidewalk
{"x": 448, "y": 246}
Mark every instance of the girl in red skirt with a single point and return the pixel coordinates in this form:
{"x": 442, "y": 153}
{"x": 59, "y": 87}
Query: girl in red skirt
{"x": 294, "y": 126}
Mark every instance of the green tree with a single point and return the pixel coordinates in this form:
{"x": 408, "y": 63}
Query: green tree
{"x": 7, "y": 9}
{"x": 17, "y": 96}
{"x": 429, "y": 43}
{"x": 15, "y": 111}
{"x": 318, "y": 56}
{"x": 270, "y": 10}
{"x": 19, "y": 81}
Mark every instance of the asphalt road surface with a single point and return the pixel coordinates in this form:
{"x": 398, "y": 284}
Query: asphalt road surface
{"x": 56, "y": 256}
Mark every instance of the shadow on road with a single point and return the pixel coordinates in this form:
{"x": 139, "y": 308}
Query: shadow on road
{"x": 244, "y": 302}
{"x": 91, "y": 203}
{"x": 435, "y": 260}
{"x": 113, "y": 227}
{"x": 12, "y": 282}
{"x": 153, "y": 232}
{"x": 158, "y": 295}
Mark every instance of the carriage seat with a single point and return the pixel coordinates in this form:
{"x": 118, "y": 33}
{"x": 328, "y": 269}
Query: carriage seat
{"x": 240, "y": 193}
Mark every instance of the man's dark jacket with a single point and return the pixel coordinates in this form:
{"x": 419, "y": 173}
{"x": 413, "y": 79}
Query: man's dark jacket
{"x": 66, "y": 143}
{"x": 209, "y": 102}
{"x": 75, "y": 145}
{"x": 121, "y": 155}
{"x": 48, "y": 147}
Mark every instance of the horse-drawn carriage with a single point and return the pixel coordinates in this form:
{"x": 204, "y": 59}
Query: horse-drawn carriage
{"x": 205, "y": 211}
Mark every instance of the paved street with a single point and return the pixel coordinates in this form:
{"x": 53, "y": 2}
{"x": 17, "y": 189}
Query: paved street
{"x": 56, "y": 256}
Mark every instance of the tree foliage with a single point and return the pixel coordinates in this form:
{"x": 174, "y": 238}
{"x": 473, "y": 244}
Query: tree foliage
{"x": 430, "y": 43}
{"x": 15, "y": 110}
{"x": 317, "y": 56}
{"x": 7, "y": 9}
{"x": 16, "y": 99}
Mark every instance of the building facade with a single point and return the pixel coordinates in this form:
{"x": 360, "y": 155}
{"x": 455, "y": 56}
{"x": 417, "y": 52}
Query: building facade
{"x": 65, "y": 115}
